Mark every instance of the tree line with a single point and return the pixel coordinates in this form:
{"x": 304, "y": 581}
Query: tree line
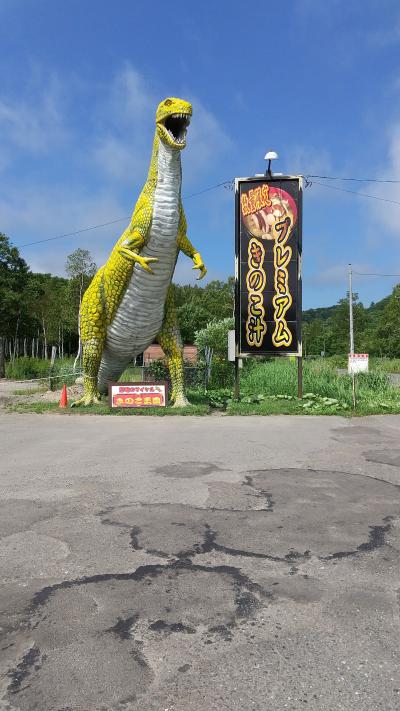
{"x": 39, "y": 311}
{"x": 376, "y": 327}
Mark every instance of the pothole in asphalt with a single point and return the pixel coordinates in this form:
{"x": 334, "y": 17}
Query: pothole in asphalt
{"x": 18, "y": 515}
{"x": 187, "y": 470}
{"x": 114, "y": 619}
{"x": 357, "y": 431}
{"x": 388, "y": 456}
{"x": 306, "y": 513}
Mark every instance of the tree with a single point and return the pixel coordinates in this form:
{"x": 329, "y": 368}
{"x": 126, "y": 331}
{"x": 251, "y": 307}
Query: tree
{"x": 387, "y": 333}
{"x": 339, "y": 327}
{"x": 48, "y": 299}
{"x": 81, "y": 269}
{"x": 215, "y": 336}
{"x": 198, "y": 306}
{"x": 14, "y": 273}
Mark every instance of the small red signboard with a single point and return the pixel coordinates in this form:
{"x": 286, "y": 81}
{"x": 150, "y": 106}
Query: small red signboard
{"x": 137, "y": 394}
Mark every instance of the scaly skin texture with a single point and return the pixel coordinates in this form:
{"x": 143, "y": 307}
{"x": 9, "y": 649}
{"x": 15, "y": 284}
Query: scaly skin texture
{"x": 105, "y": 293}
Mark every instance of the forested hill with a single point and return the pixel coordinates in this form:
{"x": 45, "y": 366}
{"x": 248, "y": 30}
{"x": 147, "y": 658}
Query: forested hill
{"x": 375, "y": 310}
{"x": 376, "y": 327}
{"x": 323, "y": 313}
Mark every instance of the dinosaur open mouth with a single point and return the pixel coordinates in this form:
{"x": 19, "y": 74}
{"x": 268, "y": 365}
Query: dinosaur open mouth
{"x": 176, "y": 126}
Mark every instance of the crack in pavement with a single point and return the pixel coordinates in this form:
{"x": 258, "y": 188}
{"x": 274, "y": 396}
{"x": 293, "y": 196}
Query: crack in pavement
{"x": 335, "y": 501}
{"x": 184, "y": 600}
{"x": 68, "y": 629}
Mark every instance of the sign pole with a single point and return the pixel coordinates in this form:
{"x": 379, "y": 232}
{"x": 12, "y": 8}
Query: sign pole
{"x": 236, "y": 387}
{"x": 351, "y": 310}
{"x": 352, "y": 331}
{"x": 300, "y": 377}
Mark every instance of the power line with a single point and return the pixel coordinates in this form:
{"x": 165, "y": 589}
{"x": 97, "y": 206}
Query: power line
{"x": 354, "y": 180}
{"x": 224, "y": 184}
{"x": 72, "y": 234}
{"x": 119, "y": 219}
{"x": 355, "y": 192}
{"x": 228, "y": 183}
{"x": 375, "y": 274}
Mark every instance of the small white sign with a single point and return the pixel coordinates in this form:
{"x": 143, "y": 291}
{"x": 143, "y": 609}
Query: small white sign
{"x": 231, "y": 346}
{"x": 358, "y": 363}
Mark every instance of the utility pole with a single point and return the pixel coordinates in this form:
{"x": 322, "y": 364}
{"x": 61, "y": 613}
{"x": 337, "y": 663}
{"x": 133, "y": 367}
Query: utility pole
{"x": 351, "y": 310}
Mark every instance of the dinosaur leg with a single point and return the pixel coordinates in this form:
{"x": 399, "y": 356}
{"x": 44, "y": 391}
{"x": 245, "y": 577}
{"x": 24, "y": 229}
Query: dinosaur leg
{"x": 92, "y": 350}
{"x": 170, "y": 341}
{"x": 93, "y": 327}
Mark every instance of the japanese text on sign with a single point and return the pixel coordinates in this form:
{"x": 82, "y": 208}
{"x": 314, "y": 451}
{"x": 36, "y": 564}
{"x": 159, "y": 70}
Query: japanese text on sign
{"x": 137, "y": 395}
{"x": 268, "y": 280}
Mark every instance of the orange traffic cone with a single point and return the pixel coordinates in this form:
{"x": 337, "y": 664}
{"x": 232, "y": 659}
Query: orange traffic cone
{"x": 64, "y": 397}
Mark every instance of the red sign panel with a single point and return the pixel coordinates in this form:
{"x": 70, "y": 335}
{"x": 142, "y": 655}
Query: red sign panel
{"x": 137, "y": 394}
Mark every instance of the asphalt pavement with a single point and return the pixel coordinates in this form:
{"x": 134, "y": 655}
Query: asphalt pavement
{"x": 199, "y": 564}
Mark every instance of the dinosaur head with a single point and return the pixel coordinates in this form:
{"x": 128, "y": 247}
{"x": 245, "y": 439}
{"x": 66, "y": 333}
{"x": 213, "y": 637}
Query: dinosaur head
{"x": 172, "y": 119}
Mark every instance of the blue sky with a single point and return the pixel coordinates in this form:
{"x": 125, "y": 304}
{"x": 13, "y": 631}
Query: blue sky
{"x": 316, "y": 80}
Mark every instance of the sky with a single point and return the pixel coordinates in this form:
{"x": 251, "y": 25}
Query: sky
{"x": 317, "y": 81}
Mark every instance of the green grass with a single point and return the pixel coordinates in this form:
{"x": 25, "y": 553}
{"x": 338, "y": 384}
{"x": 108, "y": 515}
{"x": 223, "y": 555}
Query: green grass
{"x": 30, "y": 391}
{"x": 32, "y": 368}
{"x": 388, "y": 365}
{"x": 198, "y": 406}
{"x": 268, "y": 387}
{"x": 132, "y": 374}
{"x": 295, "y": 407}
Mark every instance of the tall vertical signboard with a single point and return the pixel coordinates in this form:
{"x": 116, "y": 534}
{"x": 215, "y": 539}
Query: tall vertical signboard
{"x": 268, "y": 265}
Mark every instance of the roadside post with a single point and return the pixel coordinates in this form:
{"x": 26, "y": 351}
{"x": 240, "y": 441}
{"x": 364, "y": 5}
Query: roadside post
{"x": 232, "y": 357}
{"x": 268, "y": 269}
{"x": 357, "y": 363}
{"x": 51, "y": 371}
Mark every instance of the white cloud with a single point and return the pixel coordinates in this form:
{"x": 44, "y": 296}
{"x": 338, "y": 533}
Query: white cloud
{"x": 130, "y": 100}
{"x": 317, "y": 10}
{"x": 39, "y": 212}
{"x": 207, "y": 141}
{"x": 309, "y": 160}
{"x": 384, "y": 37}
{"x": 386, "y": 215}
{"x": 336, "y": 274}
{"x": 108, "y": 153}
{"x": 35, "y": 123}
{"x": 124, "y": 125}
{"x": 119, "y": 160}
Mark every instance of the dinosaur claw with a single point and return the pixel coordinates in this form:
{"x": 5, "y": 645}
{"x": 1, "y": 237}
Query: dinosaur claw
{"x": 87, "y": 400}
{"x": 199, "y": 264}
{"x": 181, "y": 401}
{"x": 134, "y": 257}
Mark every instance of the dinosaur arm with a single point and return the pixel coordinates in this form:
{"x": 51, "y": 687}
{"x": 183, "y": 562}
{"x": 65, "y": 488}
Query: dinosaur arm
{"x": 135, "y": 235}
{"x": 187, "y": 248}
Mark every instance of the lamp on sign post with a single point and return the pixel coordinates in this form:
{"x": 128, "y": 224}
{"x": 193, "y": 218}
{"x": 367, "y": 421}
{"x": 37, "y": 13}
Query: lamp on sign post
{"x": 270, "y": 156}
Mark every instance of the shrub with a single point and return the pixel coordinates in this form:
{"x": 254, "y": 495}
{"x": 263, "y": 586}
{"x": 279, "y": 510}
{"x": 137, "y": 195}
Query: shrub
{"x": 194, "y": 373}
{"x": 215, "y": 336}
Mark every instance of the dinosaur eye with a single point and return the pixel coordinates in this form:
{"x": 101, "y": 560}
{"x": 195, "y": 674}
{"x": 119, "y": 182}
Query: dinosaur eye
{"x": 167, "y": 102}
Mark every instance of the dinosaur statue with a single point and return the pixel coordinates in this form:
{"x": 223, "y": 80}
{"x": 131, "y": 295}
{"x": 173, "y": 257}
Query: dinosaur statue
{"x": 130, "y": 301}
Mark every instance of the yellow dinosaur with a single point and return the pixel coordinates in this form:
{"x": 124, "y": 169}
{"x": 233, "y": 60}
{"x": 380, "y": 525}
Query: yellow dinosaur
{"x": 129, "y": 302}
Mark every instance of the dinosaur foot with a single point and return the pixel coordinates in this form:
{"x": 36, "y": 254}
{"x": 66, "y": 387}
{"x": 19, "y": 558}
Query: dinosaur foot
{"x": 181, "y": 401}
{"x": 87, "y": 400}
